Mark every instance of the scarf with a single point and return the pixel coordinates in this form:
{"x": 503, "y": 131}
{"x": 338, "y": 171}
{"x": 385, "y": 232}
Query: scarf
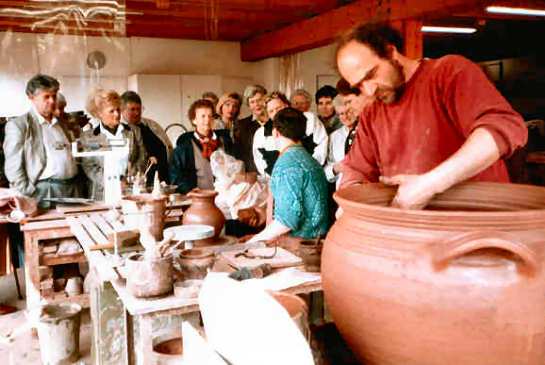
{"x": 208, "y": 145}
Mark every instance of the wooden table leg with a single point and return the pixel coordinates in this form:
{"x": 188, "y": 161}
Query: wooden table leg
{"x": 145, "y": 343}
{"x": 32, "y": 274}
{"x": 129, "y": 331}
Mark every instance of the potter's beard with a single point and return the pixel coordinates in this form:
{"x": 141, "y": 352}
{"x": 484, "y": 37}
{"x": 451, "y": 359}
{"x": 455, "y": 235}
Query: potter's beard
{"x": 392, "y": 94}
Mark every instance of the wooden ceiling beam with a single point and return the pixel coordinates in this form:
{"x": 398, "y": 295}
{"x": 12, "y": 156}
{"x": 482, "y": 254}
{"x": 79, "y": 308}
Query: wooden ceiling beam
{"x": 323, "y": 29}
{"x": 243, "y": 5}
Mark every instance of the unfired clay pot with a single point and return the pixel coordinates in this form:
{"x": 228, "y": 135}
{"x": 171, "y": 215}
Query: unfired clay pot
{"x": 145, "y": 212}
{"x": 458, "y": 283}
{"x": 149, "y": 277}
{"x": 203, "y": 210}
{"x": 195, "y": 263}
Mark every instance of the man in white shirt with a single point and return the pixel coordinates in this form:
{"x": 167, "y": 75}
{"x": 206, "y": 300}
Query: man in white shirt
{"x": 264, "y": 147}
{"x": 39, "y": 163}
{"x": 348, "y": 106}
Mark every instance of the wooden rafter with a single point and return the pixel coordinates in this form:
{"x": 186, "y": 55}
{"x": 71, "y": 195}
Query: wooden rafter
{"x": 324, "y": 28}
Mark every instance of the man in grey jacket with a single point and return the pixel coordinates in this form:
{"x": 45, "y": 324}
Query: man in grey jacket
{"x": 39, "y": 163}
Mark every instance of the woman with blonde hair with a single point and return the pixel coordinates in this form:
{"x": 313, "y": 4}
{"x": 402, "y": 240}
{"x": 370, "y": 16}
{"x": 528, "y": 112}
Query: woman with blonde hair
{"x": 104, "y": 105}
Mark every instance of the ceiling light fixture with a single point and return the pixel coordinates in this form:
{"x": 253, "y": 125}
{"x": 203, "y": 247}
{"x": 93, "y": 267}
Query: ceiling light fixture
{"x": 515, "y": 11}
{"x": 459, "y": 30}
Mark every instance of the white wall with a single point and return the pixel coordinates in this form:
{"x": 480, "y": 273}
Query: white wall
{"x": 129, "y": 60}
{"x": 23, "y": 55}
{"x": 318, "y": 64}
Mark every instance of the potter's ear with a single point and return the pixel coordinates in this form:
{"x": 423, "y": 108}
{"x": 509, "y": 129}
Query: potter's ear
{"x": 275, "y": 133}
{"x": 393, "y": 52}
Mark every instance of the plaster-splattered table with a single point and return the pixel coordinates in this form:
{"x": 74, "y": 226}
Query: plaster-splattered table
{"x": 124, "y": 326}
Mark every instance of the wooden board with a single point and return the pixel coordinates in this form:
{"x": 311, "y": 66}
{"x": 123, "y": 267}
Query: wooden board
{"x": 283, "y": 258}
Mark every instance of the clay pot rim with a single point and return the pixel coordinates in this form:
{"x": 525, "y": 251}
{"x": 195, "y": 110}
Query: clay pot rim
{"x": 358, "y": 208}
{"x": 202, "y": 253}
{"x": 202, "y": 193}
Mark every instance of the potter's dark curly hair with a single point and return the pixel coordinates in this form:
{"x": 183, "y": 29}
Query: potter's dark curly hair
{"x": 290, "y": 123}
{"x": 377, "y": 36}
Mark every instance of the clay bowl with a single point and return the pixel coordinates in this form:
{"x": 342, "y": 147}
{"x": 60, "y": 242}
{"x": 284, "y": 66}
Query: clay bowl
{"x": 195, "y": 263}
{"x": 168, "y": 349}
{"x": 296, "y": 308}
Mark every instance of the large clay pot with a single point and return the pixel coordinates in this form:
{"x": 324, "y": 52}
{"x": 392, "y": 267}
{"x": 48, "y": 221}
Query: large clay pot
{"x": 458, "y": 283}
{"x": 203, "y": 210}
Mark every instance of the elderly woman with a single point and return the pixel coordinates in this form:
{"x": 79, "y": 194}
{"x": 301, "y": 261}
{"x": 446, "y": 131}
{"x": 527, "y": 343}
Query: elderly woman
{"x": 104, "y": 105}
{"x": 228, "y": 109}
{"x": 190, "y": 165}
{"x": 298, "y": 184}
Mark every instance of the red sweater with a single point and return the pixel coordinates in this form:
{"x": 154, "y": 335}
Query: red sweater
{"x": 444, "y": 101}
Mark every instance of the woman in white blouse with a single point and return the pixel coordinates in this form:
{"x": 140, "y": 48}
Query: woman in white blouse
{"x": 104, "y": 105}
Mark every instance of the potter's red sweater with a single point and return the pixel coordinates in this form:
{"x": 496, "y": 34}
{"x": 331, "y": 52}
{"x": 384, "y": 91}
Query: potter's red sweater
{"x": 444, "y": 101}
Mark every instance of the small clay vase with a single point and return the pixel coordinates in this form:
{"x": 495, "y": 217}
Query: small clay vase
{"x": 194, "y": 263}
{"x": 203, "y": 210}
{"x": 310, "y": 252}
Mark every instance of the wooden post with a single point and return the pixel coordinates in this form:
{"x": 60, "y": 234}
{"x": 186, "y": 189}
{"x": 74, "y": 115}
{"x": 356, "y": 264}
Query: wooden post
{"x": 414, "y": 39}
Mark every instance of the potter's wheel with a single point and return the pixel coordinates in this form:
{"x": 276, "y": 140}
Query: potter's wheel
{"x": 189, "y": 232}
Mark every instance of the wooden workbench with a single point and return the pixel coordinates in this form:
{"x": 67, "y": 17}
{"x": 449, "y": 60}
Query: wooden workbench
{"x": 50, "y": 225}
{"x": 124, "y": 326}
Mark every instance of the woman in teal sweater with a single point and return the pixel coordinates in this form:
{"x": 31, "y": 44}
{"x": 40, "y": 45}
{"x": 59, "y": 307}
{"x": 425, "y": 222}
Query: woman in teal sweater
{"x": 298, "y": 184}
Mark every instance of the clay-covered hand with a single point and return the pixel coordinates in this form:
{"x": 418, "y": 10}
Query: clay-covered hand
{"x": 414, "y": 191}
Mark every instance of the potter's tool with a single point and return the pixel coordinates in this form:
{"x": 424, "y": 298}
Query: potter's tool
{"x": 257, "y": 272}
{"x": 112, "y": 152}
{"x": 251, "y": 255}
{"x": 150, "y": 164}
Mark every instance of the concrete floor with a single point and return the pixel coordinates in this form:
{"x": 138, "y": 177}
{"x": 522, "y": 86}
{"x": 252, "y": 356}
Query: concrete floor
{"x": 25, "y": 348}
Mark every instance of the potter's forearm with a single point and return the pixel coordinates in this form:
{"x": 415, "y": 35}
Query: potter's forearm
{"x": 478, "y": 153}
{"x": 270, "y": 232}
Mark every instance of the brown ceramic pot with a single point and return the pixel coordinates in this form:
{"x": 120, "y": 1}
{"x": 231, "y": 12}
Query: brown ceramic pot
{"x": 458, "y": 283}
{"x": 203, "y": 210}
{"x": 195, "y": 263}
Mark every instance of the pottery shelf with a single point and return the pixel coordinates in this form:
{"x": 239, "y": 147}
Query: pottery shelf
{"x": 52, "y": 260}
{"x": 61, "y": 297}
{"x": 47, "y": 233}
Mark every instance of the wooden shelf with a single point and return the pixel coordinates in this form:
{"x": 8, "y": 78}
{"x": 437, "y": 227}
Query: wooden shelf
{"x": 82, "y": 299}
{"x": 54, "y": 259}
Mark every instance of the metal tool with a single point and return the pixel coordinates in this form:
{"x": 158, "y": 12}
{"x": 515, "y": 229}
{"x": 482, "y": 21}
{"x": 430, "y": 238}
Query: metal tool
{"x": 116, "y": 149}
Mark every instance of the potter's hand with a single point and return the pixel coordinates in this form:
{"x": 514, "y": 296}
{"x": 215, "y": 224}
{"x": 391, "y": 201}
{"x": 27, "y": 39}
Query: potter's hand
{"x": 414, "y": 192}
{"x": 152, "y": 160}
{"x": 246, "y": 238}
